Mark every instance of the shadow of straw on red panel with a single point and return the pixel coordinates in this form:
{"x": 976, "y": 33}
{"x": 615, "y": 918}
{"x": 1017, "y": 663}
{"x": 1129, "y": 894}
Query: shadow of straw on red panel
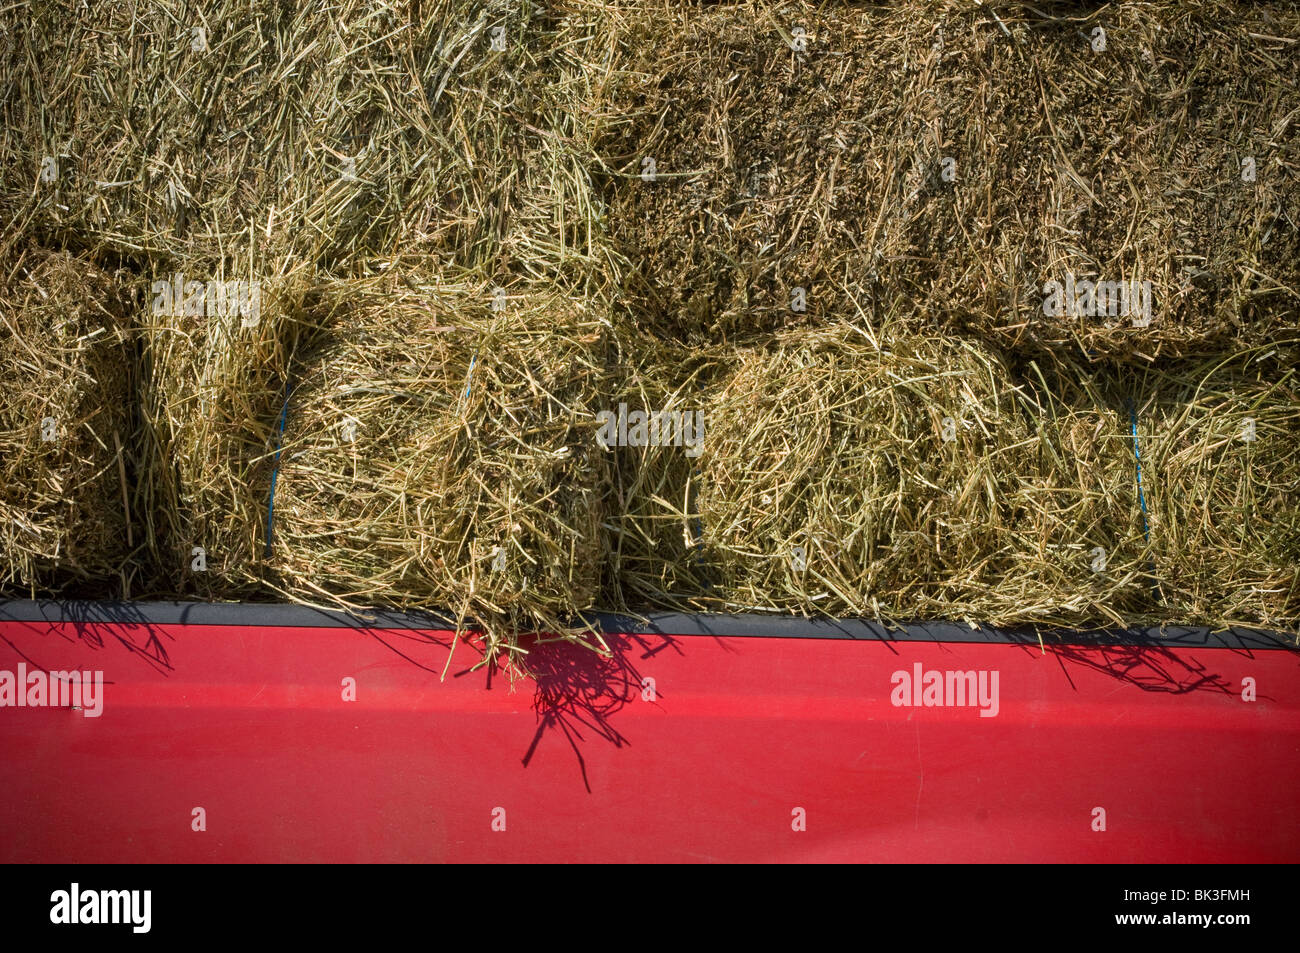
{"x": 127, "y": 628}
{"x": 1150, "y": 668}
{"x": 577, "y": 692}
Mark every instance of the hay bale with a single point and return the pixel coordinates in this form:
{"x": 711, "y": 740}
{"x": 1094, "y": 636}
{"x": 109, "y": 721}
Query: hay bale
{"x": 439, "y": 453}
{"x": 825, "y": 169}
{"x": 1026, "y": 511}
{"x": 652, "y": 527}
{"x": 65, "y": 346}
{"x": 335, "y": 133}
{"x": 920, "y": 482}
{"x": 211, "y": 393}
{"x": 1222, "y": 480}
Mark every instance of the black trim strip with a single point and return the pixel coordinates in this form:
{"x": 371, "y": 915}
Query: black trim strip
{"x": 655, "y": 623}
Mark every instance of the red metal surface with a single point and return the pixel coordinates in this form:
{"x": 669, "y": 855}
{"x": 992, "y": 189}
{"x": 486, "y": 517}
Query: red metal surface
{"x": 250, "y": 724}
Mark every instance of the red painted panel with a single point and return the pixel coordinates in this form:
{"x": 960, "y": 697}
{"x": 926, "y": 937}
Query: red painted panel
{"x": 250, "y": 724}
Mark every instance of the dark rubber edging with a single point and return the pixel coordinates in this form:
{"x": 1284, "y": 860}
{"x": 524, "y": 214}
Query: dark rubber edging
{"x": 654, "y": 623}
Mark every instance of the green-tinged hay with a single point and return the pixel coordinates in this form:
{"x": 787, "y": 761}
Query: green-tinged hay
{"x": 652, "y": 531}
{"x": 909, "y": 478}
{"x": 65, "y": 344}
{"x": 906, "y": 477}
{"x": 1220, "y": 447}
{"x": 944, "y": 162}
{"x": 211, "y": 396}
{"x": 440, "y": 454}
{"x": 336, "y": 133}
{"x": 1069, "y": 547}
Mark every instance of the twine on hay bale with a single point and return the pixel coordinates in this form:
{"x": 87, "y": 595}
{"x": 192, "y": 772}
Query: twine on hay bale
{"x": 840, "y": 260}
{"x": 211, "y": 394}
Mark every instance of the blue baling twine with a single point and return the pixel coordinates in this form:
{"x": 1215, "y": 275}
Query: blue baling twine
{"x": 1146, "y": 529}
{"x": 275, "y": 470}
{"x": 698, "y": 548}
{"x": 1137, "y": 457}
{"x": 469, "y": 376}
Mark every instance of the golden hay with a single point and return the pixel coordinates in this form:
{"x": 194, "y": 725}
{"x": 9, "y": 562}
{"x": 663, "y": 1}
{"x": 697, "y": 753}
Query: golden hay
{"x": 917, "y": 480}
{"x": 65, "y": 346}
{"x": 439, "y": 454}
{"x": 840, "y": 258}
{"x": 904, "y": 478}
{"x": 1222, "y": 474}
{"x": 826, "y": 169}
{"x": 210, "y": 396}
{"x": 329, "y": 135}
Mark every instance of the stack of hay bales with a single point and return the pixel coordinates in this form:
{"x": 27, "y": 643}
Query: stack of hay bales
{"x": 439, "y": 453}
{"x": 66, "y": 427}
{"x": 463, "y": 164}
{"x": 812, "y": 160}
{"x": 827, "y": 168}
{"x": 840, "y": 259}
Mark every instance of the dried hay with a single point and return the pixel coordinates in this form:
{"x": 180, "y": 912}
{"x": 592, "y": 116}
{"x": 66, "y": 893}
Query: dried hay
{"x": 65, "y": 346}
{"x": 922, "y": 479}
{"x": 1221, "y": 467}
{"x": 439, "y": 454}
{"x": 211, "y": 394}
{"x": 330, "y": 135}
{"x": 824, "y": 169}
{"x": 776, "y": 169}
